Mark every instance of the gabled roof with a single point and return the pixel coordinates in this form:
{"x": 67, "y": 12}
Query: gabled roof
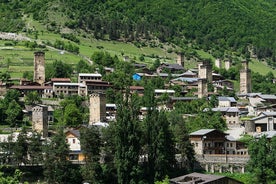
{"x": 226, "y": 109}
{"x": 267, "y": 97}
{"x": 185, "y": 79}
{"x": 263, "y": 115}
{"x": 202, "y": 178}
{"x": 224, "y": 98}
{"x": 76, "y": 133}
{"x": 230, "y": 138}
{"x": 202, "y": 132}
{"x": 268, "y": 134}
{"x": 188, "y": 72}
{"x": 173, "y": 66}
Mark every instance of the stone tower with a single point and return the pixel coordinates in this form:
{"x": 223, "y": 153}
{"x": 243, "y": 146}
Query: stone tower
{"x": 97, "y": 108}
{"x": 180, "y": 59}
{"x": 205, "y": 71}
{"x": 40, "y": 119}
{"x": 218, "y": 63}
{"x": 202, "y": 88}
{"x": 39, "y": 67}
{"x": 245, "y": 78}
{"x": 227, "y": 64}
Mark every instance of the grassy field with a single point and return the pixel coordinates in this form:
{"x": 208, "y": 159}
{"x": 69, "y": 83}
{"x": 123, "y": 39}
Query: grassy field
{"x": 18, "y": 58}
{"x": 261, "y": 67}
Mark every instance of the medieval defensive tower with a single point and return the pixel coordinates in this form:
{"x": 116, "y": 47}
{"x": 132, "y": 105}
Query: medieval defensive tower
{"x": 97, "y": 108}
{"x": 180, "y": 59}
{"x": 245, "y": 78}
{"x": 40, "y": 119}
{"x": 205, "y": 71}
{"x": 227, "y": 64}
{"x": 39, "y": 67}
{"x": 218, "y": 63}
{"x": 202, "y": 88}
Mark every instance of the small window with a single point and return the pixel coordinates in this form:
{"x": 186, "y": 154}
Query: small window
{"x": 74, "y": 141}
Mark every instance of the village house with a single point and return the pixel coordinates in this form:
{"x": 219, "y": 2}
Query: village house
{"x": 266, "y": 121}
{"x": 42, "y": 91}
{"x": 169, "y": 67}
{"x": 212, "y": 141}
{"x": 223, "y": 84}
{"x": 199, "y": 178}
{"x": 230, "y": 114}
{"x": 160, "y": 92}
{"x": 83, "y": 77}
{"x": 67, "y": 89}
{"x": 73, "y": 140}
{"x": 226, "y": 101}
{"x": 97, "y": 86}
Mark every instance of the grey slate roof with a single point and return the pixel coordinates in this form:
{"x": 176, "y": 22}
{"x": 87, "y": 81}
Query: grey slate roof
{"x": 202, "y": 179}
{"x": 268, "y": 134}
{"x": 185, "y": 79}
{"x": 226, "y": 109}
{"x": 267, "y": 97}
{"x": 230, "y": 138}
{"x": 225, "y": 98}
{"x": 202, "y": 132}
{"x": 263, "y": 115}
{"x": 75, "y": 132}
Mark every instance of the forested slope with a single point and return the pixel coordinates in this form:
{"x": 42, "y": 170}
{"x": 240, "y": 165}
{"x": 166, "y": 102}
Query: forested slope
{"x": 214, "y": 25}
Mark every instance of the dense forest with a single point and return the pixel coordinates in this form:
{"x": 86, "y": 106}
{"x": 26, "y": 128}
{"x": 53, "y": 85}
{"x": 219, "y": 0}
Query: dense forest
{"x": 219, "y": 27}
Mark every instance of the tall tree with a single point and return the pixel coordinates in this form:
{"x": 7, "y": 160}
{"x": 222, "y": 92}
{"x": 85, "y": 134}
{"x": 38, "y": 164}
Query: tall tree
{"x": 20, "y": 149}
{"x": 159, "y": 142}
{"x": 91, "y": 146}
{"x": 262, "y": 160}
{"x": 72, "y": 115}
{"x": 127, "y": 140}
{"x": 183, "y": 144}
{"x": 56, "y": 165}
{"x": 32, "y": 98}
{"x": 14, "y": 113}
{"x": 165, "y": 148}
{"x": 35, "y": 149}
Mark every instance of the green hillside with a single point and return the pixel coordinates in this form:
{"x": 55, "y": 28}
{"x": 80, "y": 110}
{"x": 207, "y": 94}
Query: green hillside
{"x": 151, "y": 30}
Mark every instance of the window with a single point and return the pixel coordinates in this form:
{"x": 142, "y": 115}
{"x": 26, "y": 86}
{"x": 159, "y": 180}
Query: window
{"x": 73, "y": 157}
{"x": 74, "y": 141}
{"x": 196, "y": 144}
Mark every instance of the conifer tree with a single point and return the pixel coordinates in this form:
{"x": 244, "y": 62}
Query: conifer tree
{"x": 56, "y": 165}
{"x": 91, "y": 146}
{"x": 127, "y": 140}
